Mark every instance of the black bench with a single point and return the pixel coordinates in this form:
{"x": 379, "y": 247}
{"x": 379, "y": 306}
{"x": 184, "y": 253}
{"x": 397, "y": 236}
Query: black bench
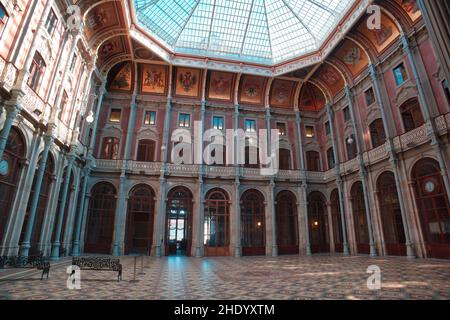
{"x": 98, "y": 264}
{"x": 35, "y": 261}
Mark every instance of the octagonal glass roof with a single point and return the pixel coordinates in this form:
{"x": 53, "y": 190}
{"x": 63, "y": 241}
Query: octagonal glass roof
{"x": 260, "y": 31}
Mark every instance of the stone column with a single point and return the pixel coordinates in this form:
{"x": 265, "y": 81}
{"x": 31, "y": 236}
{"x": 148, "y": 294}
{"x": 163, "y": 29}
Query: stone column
{"x": 362, "y": 171}
{"x": 121, "y": 209}
{"x": 26, "y": 245}
{"x": 79, "y": 219}
{"x": 346, "y": 249}
{"x": 304, "y": 183}
{"x": 435, "y": 15}
{"x": 159, "y": 236}
{"x": 61, "y": 213}
{"x": 200, "y": 196}
{"x": 330, "y": 227}
{"x": 393, "y": 159}
{"x": 237, "y": 184}
{"x": 87, "y": 172}
{"x": 12, "y": 109}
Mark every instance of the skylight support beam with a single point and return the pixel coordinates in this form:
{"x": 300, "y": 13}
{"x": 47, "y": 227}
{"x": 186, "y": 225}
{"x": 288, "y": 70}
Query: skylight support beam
{"x": 320, "y": 5}
{"x": 301, "y": 22}
{"x": 246, "y": 27}
{"x": 210, "y": 25}
{"x": 186, "y": 22}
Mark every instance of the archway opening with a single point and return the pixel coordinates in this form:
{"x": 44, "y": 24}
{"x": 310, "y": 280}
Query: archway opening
{"x": 391, "y": 215}
{"x": 100, "y": 226}
{"x": 433, "y": 206}
{"x": 14, "y": 155}
{"x": 318, "y": 223}
{"x": 140, "y": 217}
{"x": 360, "y": 219}
{"x": 253, "y": 224}
{"x": 286, "y": 223}
{"x": 337, "y": 221}
{"x": 217, "y": 223}
{"x": 179, "y": 222}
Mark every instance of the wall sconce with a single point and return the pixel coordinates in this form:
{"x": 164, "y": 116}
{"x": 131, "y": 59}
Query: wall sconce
{"x": 350, "y": 140}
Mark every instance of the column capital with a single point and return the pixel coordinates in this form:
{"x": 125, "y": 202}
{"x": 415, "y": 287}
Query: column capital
{"x": 373, "y": 71}
{"x": 348, "y": 92}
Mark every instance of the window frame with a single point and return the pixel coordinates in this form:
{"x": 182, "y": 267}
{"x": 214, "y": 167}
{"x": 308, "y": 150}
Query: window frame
{"x": 406, "y": 74}
{"x": 55, "y": 23}
{"x": 145, "y": 117}
{"x": 4, "y": 20}
{"x": 110, "y": 113}
{"x": 374, "y": 98}
{"x": 102, "y": 154}
{"x": 284, "y": 123}
{"x": 36, "y": 69}
{"x": 245, "y": 125}
{"x": 179, "y": 118}
{"x": 220, "y": 117}
{"x": 313, "y": 131}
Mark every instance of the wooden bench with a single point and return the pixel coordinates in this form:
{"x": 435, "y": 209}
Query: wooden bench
{"x": 35, "y": 261}
{"x": 98, "y": 264}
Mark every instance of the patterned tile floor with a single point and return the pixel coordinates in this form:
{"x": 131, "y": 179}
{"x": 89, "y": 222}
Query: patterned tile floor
{"x": 286, "y": 277}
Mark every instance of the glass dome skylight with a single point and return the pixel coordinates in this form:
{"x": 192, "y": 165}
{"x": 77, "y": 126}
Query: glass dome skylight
{"x": 261, "y": 31}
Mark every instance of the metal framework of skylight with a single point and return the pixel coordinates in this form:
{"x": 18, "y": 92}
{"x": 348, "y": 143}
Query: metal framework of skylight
{"x": 259, "y": 31}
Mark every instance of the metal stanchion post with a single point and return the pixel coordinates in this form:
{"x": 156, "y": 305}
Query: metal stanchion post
{"x": 142, "y": 266}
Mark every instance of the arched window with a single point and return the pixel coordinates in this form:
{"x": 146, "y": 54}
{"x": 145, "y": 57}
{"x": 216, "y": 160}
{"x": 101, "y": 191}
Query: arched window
{"x": 360, "y": 218}
{"x": 14, "y": 154}
{"x": 44, "y": 194}
{"x": 217, "y": 223}
{"x": 37, "y": 70}
{"x": 411, "y": 115}
{"x": 434, "y": 208}
{"x": 140, "y": 217}
{"x": 179, "y": 222}
{"x": 336, "y": 220}
{"x": 110, "y": 148}
{"x": 284, "y": 159}
{"x": 253, "y": 226}
{"x": 391, "y": 215}
{"x": 100, "y": 225}
{"x": 330, "y": 158}
{"x": 286, "y": 223}
{"x": 318, "y": 223}
{"x": 377, "y": 134}
{"x": 146, "y": 151}
{"x": 312, "y": 161}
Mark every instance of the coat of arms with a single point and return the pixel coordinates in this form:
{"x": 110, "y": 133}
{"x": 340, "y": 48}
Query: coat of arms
{"x": 187, "y": 80}
{"x": 154, "y": 79}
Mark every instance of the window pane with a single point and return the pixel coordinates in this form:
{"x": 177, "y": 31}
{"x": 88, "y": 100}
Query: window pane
{"x": 281, "y": 129}
{"x": 250, "y": 125}
{"x": 309, "y": 131}
{"x": 115, "y": 115}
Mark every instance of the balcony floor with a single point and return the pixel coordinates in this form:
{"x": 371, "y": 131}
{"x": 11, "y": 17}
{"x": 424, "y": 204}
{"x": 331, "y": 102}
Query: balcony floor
{"x": 286, "y": 277}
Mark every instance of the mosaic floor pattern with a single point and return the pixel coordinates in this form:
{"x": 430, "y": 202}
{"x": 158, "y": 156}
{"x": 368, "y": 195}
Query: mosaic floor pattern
{"x": 286, "y": 277}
